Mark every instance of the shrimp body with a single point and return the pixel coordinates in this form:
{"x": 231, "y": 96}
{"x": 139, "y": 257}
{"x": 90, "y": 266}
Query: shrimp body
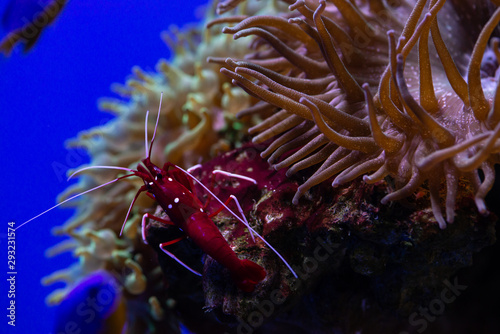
{"x": 176, "y": 195}
{"x": 207, "y": 236}
{"x": 173, "y": 191}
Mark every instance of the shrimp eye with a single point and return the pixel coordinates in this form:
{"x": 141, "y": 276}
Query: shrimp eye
{"x": 158, "y": 176}
{"x": 148, "y": 185}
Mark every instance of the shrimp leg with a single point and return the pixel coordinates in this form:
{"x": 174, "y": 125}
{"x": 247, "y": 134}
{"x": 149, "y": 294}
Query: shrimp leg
{"x": 162, "y": 247}
{"x": 165, "y": 244}
{"x": 150, "y": 216}
{"x": 226, "y": 203}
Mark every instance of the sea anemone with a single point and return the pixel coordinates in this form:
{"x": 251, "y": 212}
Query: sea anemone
{"x": 376, "y": 89}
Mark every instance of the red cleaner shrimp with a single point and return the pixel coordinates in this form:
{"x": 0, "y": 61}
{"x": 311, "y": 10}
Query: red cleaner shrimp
{"x": 173, "y": 189}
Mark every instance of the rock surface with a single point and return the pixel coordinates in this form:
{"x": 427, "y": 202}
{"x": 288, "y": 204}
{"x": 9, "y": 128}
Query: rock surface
{"x": 360, "y": 265}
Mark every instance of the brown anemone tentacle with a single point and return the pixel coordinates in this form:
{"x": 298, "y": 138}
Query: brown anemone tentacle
{"x": 482, "y": 155}
{"x": 478, "y": 101}
{"x": 225, "y": 20}
{"x": 309, "y": 65}
{"x": 258, "y": 108}
{"x": 391, "y": 71}
{"x": 436, "y": 157}
{"x": 456, "y": 80}
{"x": 306, "y": 86}
{"x": 451, "y": 190}
{"x": 378, "y": 175}
{"x": 401, "y": 120}
{"x": 485, "y": 187}
{"x": 363, "y": 144}
{"x": 340, "y": 37}
{"x": 352, "y": 16}
{"x": 408, "y": 44}
{"x": 358, "y": 169}
{"x": 495, "y": 46}
{"x": 408, "y": 189}
{"x": 494, "y": 113}
{"x": 337, "y": 118}
{"x": 434, "y": 186}
{"x": 276, "y": 118}
{"x": 278, "y": 100}
{"x": 314, "y": 159}
{"x": 307, "y": 144}
{"x": 325, "y": 174}
{"x": 339, "y": 34}
{"x": 273, "y": 22}
{"x": 310, "y": 31}
{"x": 272, "y": 84}
{"x": 388, "y": 94}
{"x": 227, "y": 5}
{"x": 217, "y": 60}
{"x": 412, "y": 22}
{"x": 435, "y": 130}
{"x": 350, "y": 85}
{"x": 275, "y": 64}
{"x": 287, "y": 98}
{"x": 291, "y": 134}
{"x": 427, "y": 94}
{"x": 339, "y": 153}
{"x": 295, "y": 144}
{"x": 377, "y": 6}
{"x": 278, "y": 129}
{"x": 388, "y": 143}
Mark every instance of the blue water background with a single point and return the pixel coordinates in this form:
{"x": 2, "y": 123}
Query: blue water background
{"x": 48, "y": 96}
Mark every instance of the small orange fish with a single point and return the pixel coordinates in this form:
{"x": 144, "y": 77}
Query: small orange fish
{"x": 24, "y": 21}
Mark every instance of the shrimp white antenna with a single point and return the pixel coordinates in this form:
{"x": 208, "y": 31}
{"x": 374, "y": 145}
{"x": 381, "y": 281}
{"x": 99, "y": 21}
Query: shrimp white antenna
{"x": 99, "y": 167}
{"x": 241, "y": 220}
{"x": 242, "y": 214}
{"x": 73, "y": 197}
{"x": 192, "y": 168}
{"x": 179, "y": 261}
{"x": 156, "y": 126}
{"x": 128, "y": 212}
{"x": 237, "y": 176}
{"x": 146, "y": 134}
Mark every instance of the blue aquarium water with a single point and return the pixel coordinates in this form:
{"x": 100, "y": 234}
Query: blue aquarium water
{"x": 47, "y": 96}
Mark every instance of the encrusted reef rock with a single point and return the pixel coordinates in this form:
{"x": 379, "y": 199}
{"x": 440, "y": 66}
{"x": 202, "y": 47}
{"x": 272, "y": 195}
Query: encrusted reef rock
{"x": 360, "y": 266}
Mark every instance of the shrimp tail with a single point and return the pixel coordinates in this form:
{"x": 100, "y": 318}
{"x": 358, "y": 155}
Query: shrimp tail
{"x": 249, "y": 275}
